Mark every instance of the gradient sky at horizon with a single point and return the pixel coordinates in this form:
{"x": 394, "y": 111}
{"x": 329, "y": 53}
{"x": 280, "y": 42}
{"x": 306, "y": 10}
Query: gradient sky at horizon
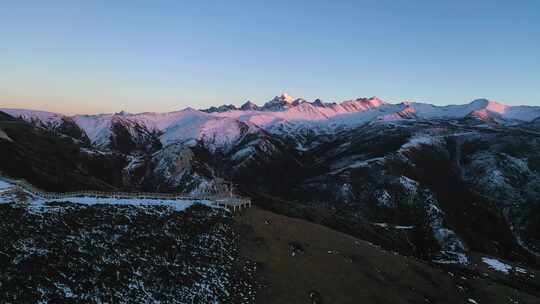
{"x": 107, "y": 56}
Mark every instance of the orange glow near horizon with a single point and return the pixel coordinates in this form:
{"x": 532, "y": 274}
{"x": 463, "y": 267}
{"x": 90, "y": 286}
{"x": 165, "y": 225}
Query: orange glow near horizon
{"x": 83, "y": 107}
{"x": 65, "y": 108}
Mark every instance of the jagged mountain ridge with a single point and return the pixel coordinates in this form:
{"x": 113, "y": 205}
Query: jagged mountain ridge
{"x": 224, "y": 125}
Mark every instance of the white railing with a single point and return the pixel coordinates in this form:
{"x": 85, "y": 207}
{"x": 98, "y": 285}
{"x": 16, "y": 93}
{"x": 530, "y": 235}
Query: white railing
{"x": 225, "y": 200}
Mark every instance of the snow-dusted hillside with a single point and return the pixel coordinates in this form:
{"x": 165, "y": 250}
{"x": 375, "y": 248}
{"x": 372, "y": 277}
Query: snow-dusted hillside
{"x": 138, "y": 253}
{"x": 461, "y": 178}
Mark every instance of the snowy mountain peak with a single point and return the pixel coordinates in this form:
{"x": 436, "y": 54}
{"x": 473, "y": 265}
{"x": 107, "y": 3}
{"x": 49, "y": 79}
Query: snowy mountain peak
{"x": 362, "y": 104}
{"x": 220, "y": 109}
{"x": 249, "y": 106}
{"x": 318, "y": 103}
{"x": 122, "y": 113}
{"x": 278, "y": 103}
{"x": 192, "y": 110}
{"x": 298, "y": 101}
{"x": 286, "y": 97}
{"x": 487, "y": 104}
{"x": 480, "y": 102}
{"x": 374, "y": 101}
{"x": 496, "y": 107}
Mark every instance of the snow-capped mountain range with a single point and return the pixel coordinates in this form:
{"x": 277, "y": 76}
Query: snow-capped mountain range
{"x": 227, "y": 124}
{"x": 466, "y": 178}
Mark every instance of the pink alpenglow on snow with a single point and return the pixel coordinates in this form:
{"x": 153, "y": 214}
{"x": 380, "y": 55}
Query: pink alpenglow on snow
{"x": 283, "y": 113}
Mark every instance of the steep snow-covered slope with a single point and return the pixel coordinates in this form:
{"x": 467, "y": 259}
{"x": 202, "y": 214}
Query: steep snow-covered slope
{"x": 174, "y": 127}
{"x": 97, "y": 127}
{"x": 215, "y": 131}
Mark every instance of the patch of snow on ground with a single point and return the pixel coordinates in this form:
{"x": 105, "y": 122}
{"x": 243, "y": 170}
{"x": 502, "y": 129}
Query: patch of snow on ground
{"x": 385, "y": 225}
{"x": 345, "y": 192}
{"x": 422, "y": 139}
{"x": 134, "y": 163}
{"x": 177, "y": 205}
{"x": 497, "y": 265}
{"x": 384, "y": 198}
{"x": 37, "y": 203}
{"x": 301, "y": 147}
{"x": 520, "y": 164}
{"x": 4, "y": 185}
{"x": 453, "y": 250}
{"x": 243, "y": 153}
{"x": 495, "y": 177}
{"x": 353, "y": 163}
{"x": 95, "y": 152}
{"x": 6, "y": 198}
{"x": 403, "y": 227}
{"x": 409, "y": 184}
{"x": 3, "y": 135}
{"x": 450, "y": 257}
{"x": 6, "y": 194}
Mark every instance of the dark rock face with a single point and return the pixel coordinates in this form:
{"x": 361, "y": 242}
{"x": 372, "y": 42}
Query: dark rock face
{"x": 249, "y": 106}
{"x": 180, "y": 168}
{"x": 121, "y": 254}
{"x": 222, "y": 108}
{"x": 56, "y": 163}
{"x": 121, "y": 140}
{"x": 70, "y": 128}
{"x": 6, "y": 117}
{"x": 448, "y": 187}
{"x": 128, "y": 136}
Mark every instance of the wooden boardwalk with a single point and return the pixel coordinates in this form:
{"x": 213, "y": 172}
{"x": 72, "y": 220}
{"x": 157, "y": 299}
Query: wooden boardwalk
{"x": 221, "y": 199}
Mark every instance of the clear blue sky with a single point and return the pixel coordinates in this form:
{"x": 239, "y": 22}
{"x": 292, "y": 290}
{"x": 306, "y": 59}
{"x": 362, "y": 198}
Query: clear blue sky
{"x": 103, "y": 56}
